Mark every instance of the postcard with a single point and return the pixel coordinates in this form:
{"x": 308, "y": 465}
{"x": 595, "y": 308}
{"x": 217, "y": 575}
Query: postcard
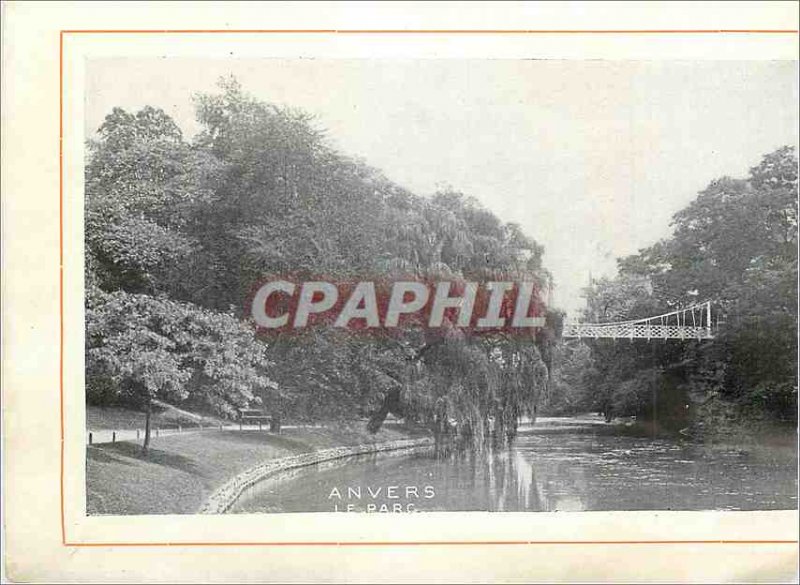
{"x": 389, "y": 293}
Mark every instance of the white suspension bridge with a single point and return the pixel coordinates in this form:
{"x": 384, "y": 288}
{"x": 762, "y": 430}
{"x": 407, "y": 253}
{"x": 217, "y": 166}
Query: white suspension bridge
{"x": 692, "y": 322}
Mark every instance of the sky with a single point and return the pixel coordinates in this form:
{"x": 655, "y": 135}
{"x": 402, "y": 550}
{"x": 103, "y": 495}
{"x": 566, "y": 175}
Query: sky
{"x": 591, "y": 158}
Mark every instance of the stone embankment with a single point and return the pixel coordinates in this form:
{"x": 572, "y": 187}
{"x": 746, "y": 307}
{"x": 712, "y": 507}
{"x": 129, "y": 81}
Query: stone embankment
{"x": 223, "y": 498}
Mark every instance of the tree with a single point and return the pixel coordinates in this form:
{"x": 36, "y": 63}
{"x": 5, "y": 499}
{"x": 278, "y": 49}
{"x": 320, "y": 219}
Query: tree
{"x": 571, "y": 390}
{"x": 151, "y": 348}
{"x": 144, "y": 184}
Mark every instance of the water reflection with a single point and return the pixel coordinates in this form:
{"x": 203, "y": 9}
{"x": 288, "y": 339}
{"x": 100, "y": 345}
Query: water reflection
{"x": 552, "y": 467}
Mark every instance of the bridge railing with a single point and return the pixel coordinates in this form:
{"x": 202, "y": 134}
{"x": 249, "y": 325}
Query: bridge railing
{"x": 635, "y": 331}
{"x": 692, "y": 322}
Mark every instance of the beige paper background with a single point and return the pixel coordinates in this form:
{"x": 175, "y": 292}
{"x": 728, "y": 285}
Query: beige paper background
{"x": 31, "y": 324}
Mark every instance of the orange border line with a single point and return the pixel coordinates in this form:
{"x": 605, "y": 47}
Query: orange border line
{"x": 331, "y": 31}
{"x": 437, "y": 31}
{"x": 61, "y": 262}
{"x": 434, "y": 543}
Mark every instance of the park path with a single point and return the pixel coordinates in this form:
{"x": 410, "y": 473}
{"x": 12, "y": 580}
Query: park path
{"x": 101, "y": 436}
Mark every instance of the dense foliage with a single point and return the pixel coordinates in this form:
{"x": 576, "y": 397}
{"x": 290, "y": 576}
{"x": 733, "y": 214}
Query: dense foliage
{"x": 734, "y": 245}
{"x": 179, "y": 232}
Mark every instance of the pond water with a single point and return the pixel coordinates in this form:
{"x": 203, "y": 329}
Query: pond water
{"x": 554, "y": 465}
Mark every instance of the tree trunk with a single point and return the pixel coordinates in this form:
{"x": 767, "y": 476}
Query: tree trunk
{"x": 377, "y": 418}
{"x": 146, "y": 443}
{"x": 391, "y": 403}
{"x": 275, "y": 423}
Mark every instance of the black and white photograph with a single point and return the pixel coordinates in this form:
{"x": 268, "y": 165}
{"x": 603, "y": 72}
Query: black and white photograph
{"x": 399, "y": 286}
{"x": 399, "y": 292}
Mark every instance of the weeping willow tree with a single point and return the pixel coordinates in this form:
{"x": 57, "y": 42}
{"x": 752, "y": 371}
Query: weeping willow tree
{"x": 471, "y": 389}
{"x": 481, "y": 388}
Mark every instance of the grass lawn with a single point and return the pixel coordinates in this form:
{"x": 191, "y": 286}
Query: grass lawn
{"x": 181, "y": 471}
{"x": 116, "y": 418}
